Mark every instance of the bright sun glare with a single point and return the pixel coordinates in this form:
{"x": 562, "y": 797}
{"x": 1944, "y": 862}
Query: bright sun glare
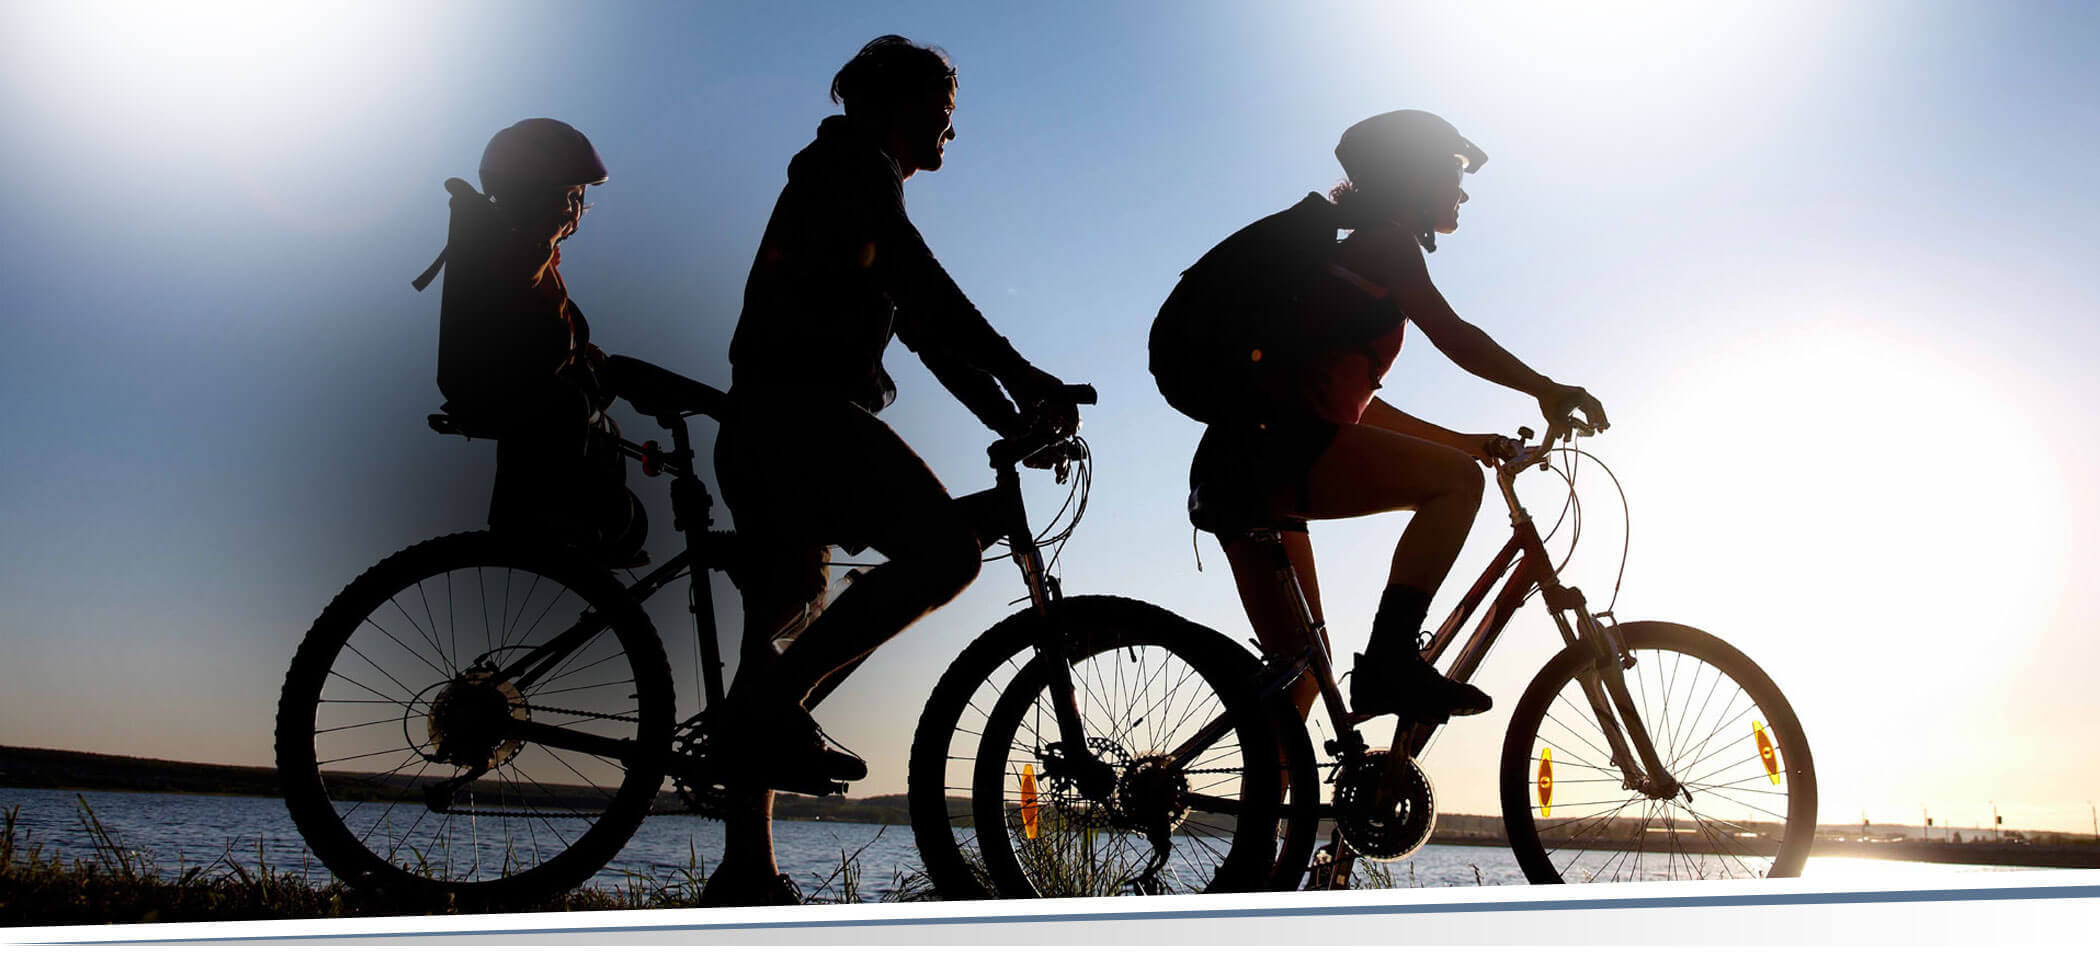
{"x": 1890, "y": 505}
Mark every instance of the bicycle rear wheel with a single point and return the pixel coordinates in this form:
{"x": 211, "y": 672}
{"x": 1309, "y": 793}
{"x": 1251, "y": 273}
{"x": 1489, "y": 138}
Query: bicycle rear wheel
{"x": 420, "y": 763}
{"x": 998, "y": 812}
{"x": 1747, "y": 804}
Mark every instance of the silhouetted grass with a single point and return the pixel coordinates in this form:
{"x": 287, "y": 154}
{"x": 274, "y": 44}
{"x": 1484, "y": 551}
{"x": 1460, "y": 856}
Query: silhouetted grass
{"x": 115, "y": 883}
{"x": 119, "y": 884}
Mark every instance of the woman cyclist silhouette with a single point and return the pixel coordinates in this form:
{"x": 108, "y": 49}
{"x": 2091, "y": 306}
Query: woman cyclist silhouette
{"x": 1316, "y": 445}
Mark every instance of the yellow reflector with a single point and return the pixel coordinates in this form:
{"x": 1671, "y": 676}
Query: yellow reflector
{"x": 1029, "y": 813}
{"x": 1546, "y": 781}
{"x": 1765, "y": 752}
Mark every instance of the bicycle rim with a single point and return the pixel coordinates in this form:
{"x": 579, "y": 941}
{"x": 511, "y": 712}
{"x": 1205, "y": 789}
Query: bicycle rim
{"x": 1747, "y": 804}
{"x": 1206, "y": 821}
{"x": 391, "y": 738}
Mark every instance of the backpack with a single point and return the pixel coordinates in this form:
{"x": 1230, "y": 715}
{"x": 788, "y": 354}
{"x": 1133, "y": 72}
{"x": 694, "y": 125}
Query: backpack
{"x": 466, "y": 303}
{"x": 1231, "y": 322}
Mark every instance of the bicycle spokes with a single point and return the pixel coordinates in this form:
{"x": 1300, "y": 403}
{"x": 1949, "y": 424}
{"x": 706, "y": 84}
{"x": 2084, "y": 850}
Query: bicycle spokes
{"x": 1723, "y": 802}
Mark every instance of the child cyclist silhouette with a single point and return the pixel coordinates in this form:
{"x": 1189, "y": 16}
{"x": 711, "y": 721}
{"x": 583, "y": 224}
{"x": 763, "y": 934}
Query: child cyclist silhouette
{"x": 515, "y": 358}
{"x": 1278, "y": 337}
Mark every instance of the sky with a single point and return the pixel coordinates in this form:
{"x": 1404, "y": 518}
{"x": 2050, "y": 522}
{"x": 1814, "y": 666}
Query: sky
{"x": 1828, "y": 266}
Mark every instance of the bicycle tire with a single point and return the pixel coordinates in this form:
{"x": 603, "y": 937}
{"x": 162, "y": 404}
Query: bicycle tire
{"x": 377, "y": 709}
{"x": 1706, "y": 706}
{"x": 998, "y": 678}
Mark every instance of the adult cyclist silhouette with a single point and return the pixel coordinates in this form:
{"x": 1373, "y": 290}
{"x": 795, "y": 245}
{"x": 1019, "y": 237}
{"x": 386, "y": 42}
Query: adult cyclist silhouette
{"x": 1306, "y": 440}
{"x": 803, "y": 461}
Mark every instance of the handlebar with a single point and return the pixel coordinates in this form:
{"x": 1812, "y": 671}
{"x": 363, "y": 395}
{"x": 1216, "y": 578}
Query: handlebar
{"x": 1006, "y": 452}
{"x": 1556, "y": 432}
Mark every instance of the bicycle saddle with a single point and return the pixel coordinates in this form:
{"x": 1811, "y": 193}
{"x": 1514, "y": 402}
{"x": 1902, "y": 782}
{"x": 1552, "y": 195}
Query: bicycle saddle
{"x": 1231, "y": 508}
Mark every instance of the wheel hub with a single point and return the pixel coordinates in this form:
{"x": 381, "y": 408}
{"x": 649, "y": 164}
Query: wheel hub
{"x": 469, "y": 720}
{"x": 1063, "y": 788}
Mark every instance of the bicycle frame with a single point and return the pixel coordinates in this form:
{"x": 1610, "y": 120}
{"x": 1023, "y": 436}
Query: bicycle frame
{"x": 1522, "y": 565}
{"x": 692, "y": 513}
{"x": 999, "y": 512}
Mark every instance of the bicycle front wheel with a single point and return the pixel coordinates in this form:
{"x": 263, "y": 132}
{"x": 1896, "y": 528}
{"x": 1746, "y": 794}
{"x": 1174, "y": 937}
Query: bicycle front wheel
{"x": 1746, "y": 803}
{"x": 1179, "y": 788}
{"x": 475, "y": 721}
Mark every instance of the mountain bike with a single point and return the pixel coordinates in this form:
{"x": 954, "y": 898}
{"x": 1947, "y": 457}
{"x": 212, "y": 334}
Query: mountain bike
{"x": 1641, "y": 750}
{"x": 484, "y": 719}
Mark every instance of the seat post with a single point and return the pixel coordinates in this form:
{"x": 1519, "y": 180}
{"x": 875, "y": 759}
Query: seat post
{"x": 1313, "y": 629}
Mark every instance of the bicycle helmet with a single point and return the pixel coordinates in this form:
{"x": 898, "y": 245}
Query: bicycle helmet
{"x": 540, "y": 152}
{"x": 1403, "y": 139}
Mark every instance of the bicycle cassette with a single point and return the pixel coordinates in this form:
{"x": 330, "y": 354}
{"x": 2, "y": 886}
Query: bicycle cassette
{"x": 1393, "y": 834}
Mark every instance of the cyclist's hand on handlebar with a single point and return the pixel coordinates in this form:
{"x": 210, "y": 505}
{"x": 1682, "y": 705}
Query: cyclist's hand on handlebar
{"x": 1045, "y": 406}
{"x": 1561, "y": 401}
{"x": 1493, "y": 449}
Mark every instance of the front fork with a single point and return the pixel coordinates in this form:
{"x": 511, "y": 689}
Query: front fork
{"x": 1604, "y": 684}
{"x": 1000, "y": 511}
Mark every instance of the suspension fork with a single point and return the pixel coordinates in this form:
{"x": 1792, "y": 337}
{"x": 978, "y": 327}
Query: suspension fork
{"x": 1000, "y": 512}
{"x": 1604, "y": 684}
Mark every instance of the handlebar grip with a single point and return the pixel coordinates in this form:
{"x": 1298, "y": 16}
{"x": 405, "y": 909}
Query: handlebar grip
{"x": 1080, "y": 394}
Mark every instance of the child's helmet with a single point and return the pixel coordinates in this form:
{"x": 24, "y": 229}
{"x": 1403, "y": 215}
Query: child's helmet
{"x": 1404, "y": 139}
{"x": 540, "y": 152}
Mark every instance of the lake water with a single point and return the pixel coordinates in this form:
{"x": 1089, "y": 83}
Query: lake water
{"x": 177, "y": 831}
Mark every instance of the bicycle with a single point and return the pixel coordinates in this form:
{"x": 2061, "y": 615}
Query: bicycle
{"x": 485, "y": 719}
{"x": 1699, "y": 721}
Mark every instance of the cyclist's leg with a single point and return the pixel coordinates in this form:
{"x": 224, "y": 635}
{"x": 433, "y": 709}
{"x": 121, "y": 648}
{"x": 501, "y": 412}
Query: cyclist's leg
{"x": 1262, "y": 469}
{"x": 781, "y": 472}
{"x": 1367, "y": 470}
{"x": 1268, "y": 606}
{"x": 931, "y": 549}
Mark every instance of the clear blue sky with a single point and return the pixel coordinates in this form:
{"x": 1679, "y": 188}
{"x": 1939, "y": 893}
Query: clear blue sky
{"x": 1829, "y": 265}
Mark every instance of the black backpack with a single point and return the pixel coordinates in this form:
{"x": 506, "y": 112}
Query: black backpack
{"x": 1233, "y": 314}
{"x": 466, "y": 310}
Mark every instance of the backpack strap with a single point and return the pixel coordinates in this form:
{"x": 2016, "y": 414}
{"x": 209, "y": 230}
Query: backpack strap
{"x": 460, "y": 191}
{"x": 423, "y": 281}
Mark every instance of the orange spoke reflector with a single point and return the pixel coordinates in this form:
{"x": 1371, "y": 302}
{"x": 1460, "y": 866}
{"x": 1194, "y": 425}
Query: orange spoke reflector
{"x": 1546, "y": 781}
{"x": 1030, "y": 815}
{"x": 1765, "y": 752}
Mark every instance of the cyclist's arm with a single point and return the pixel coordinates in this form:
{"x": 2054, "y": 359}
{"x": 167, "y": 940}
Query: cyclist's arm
{"x": 1384, "y": 416}
{"x": 932, "y": 311}
{"x": 975, "y": 388}
{"x": 1388, "y": 255}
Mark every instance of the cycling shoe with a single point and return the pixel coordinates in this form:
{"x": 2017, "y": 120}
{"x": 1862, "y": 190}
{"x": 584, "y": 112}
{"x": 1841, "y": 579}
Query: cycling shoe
{"x": 1407, "y": 686}
{"x": 783, "y": 748}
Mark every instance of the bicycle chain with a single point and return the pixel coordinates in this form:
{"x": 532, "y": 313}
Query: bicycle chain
{"x": 566, "y": 712}
{"x": 1242, "y": 769}
{"x": 524, "y": 814}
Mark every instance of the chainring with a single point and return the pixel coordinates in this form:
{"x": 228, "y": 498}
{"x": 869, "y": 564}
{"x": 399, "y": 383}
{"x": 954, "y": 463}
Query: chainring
{"x": 1389, "y": 836}
{"x": 702, "y": 794}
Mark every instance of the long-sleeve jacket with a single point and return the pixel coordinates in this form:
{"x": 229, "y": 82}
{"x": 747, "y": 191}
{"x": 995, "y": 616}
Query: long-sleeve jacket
{"x": 840, "y": 270}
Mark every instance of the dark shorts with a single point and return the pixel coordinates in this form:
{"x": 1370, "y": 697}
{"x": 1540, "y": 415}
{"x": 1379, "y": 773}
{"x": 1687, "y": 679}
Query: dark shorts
{"x": 800, "y": 476}
{"x": 1263, "y": 466}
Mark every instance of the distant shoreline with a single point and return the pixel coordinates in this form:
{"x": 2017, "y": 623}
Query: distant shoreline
{"x": 31, "y": 768}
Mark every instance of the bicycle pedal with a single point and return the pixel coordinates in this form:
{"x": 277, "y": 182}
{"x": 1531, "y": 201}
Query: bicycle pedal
{"x": 809, "y": 787}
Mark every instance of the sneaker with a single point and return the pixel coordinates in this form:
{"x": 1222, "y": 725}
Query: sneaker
{"x": 1409, "y": 687}
{"x": 783, "y": 748}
